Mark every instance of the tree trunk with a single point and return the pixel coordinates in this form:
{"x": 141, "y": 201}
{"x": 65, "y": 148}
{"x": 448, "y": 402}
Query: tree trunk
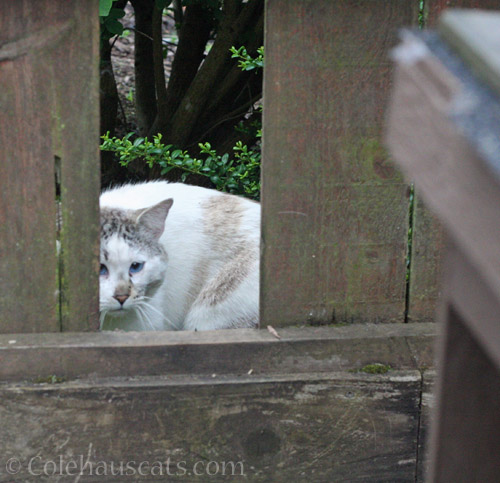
{"x": 145, "y": 93}
{"x": 108, "y": 91}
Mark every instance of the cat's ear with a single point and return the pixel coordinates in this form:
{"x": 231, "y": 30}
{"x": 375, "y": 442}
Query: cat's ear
{"x": 153, "y": 218}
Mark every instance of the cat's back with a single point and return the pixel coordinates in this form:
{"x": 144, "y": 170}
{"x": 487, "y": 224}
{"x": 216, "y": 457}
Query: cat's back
{"x": 211, "y": 240}
{"x": 219, "y": 213}
{"x": 143, "y": 195}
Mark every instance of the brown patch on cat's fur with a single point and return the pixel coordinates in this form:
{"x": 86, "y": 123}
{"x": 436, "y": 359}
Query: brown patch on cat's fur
{"x": 227, "y": 279}
{"x": 222, "y": 221}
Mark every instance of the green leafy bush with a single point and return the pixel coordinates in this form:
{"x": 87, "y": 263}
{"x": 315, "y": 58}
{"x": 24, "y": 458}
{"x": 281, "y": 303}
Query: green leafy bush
{"x": 237, "y": 174}
{"x": 109, "y": 19}
{"x": 246, "y": 61}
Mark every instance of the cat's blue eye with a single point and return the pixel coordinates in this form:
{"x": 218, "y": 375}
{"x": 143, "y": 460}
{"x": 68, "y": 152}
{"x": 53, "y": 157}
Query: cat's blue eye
{"x": 103, "y": 270}
{"x": 136, "y": 267}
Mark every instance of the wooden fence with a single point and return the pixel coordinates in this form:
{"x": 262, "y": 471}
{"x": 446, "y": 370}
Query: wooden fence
{"x": 336, "y": 217}
{"x": 447, "y": 92}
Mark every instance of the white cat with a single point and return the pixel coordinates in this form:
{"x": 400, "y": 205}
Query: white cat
{"x": 175, "y": 257}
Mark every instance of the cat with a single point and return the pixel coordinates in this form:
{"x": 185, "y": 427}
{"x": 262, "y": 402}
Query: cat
{"x": 178, "y": 257}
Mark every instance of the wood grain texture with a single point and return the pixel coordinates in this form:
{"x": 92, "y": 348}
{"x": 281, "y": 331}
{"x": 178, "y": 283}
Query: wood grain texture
{"x": 291, "y": 409}
{"x": 437, "y": 99}
{"x": 428, "y": 245}
{"x": 48, "y": 99}
{"x": 458, "y": 182}
{"x": 427, "y": 407}
{"x": 428, "y": 235}
{"x": 465, "y": 444}
{"x": 335, "y": 211}
{"x": 299, "y": 351}
{"x": 28, "y": 283}
{"x": 331, "y": 427}
{"x": 76, "y": 141}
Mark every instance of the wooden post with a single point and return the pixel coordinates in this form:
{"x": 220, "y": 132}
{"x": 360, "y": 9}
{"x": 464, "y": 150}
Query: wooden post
{"x": 447, "y": 93}
{"x": 434, "y": 8}
{"x": 335, "y": 211}
{"x": 316, "y": 403}
{"x": 428, "y": 240}
{"x": 48, "y": 132}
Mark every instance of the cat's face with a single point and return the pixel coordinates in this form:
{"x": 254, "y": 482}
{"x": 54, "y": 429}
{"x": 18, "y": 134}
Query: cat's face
{"x": 133, "y": 262}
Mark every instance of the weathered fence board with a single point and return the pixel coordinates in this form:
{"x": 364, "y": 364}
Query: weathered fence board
{"x": 433, "y": 8}
{"x": 428, "y": 235}
{"x": 335, "y": 211}
{"x": 49, "y": 129}
{"x": 28, "y": 279}
{"x": 427, "y": 404}
{"x": 465, "y": 443}
{"x": 334, "y": 427}
{"x": 427, "y": 248}
{"x": 299, "y": 351}
{"x": 77, "y": 112}
{"x": 293, "y": 408}
{"x": 457, "y": 169}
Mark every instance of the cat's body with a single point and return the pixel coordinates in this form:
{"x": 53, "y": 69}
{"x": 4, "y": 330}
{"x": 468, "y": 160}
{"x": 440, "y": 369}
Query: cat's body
{"x": 198, "y": 269}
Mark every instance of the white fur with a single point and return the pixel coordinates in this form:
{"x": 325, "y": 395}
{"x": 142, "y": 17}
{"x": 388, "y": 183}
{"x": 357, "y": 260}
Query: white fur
{"x": 192, "y": 252}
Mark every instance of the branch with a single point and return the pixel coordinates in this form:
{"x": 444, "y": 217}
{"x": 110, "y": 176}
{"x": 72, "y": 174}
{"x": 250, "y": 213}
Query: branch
{"x": 234, "y": 21}
{"x": 193, "y": 37}
{"x": 159, "y": 71}
{"x": 145, "y": 90}
{"x": 235, "y": 75}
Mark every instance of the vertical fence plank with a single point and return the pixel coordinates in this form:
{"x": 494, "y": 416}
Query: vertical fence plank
{"x": 428, "y": 238}
{"x": 48, "y": 105}
{"x": 335, "y": 211}
{"x": 76, "y": 119}
{"x": 28, "y": 285}
{"x": 427, "y": 250}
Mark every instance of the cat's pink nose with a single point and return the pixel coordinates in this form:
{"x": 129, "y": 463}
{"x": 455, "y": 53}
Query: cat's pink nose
{"x": 121, "y": 298}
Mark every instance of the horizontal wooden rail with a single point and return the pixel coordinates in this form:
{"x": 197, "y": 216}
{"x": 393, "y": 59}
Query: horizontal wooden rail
{"x": 300, "y": 350}
{"x": 293, "y": 408}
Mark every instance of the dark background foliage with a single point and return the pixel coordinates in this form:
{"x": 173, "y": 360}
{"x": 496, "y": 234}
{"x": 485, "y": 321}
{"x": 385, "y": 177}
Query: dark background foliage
{"x": 203, "y": 93}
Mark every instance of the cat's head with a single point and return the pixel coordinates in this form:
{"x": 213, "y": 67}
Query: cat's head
{"x": 133, "y": 262}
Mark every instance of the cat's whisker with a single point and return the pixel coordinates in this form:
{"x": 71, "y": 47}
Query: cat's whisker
{"x": 154, "y": 309}
{"x": 210, "y": 246}
{"x": 144, "y": 317}
{"x": 102, "y": 316}
{"x": 163, "y": 316}
{"x": 140, "y": 314}
{"x": 143, "y": 309}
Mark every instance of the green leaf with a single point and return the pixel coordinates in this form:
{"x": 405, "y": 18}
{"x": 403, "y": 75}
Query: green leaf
{"x": 104, "y": 7}
{"x": 116, "y": 13}
{"x": 113, "y": 26}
